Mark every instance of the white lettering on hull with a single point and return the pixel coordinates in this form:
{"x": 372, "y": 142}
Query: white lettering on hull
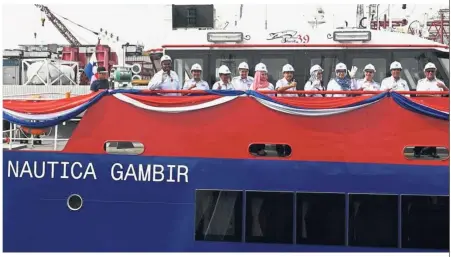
{"x": 149, "y": 173}
{"x": 78, "y": 170}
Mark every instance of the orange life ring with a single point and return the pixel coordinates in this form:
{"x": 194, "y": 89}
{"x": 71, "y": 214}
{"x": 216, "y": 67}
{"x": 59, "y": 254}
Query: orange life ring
{"x": 35, "y": 131}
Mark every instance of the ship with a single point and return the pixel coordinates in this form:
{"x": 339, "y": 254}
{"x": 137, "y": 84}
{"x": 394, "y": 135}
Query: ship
{"x": 143, "y": 172}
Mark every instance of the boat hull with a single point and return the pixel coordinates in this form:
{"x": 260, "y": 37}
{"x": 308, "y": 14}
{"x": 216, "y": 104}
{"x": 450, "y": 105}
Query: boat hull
{"x": 153, "y": 215}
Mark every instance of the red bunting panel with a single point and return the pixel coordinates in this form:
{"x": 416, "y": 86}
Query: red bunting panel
{"x": 50, "y": 106}
{"x": 172, "y": 101}
{"x": 438, "y": 103}
{"x": 319, "y": 103}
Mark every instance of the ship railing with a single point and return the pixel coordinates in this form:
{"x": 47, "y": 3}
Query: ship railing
{"x": 43, "y": 91}
{"x": 11, "y": 135}
{"x": 45, "y": 96}
{"x": 302, "y": 92}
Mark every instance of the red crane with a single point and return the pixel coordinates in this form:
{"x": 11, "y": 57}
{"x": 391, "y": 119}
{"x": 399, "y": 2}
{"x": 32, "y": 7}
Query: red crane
{"x": 59, "y": 25}
{"x": 438, "y": 27}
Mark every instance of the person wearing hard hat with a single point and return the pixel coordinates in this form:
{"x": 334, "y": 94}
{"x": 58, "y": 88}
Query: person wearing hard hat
{"x": 395, "y": 82}
{"x": 287, "y": 83}
{"x": 261, "y": 82}
{"x": 341, "y": 82}
{"x": 196, "y": 83}
{"x": 368, "y": 83}
{"x": 244, "y": 81}
{"x": 430, "y": 82}
{"x": 315, "y": 81}
{"x": 165, "y": 79}
{"x": 224, "y": 82}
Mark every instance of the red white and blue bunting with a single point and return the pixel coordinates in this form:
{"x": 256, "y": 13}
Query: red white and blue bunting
{"x": 50, "y": 113}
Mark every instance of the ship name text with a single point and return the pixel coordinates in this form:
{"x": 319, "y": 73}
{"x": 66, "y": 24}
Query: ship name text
{"x": 117, "y": 171}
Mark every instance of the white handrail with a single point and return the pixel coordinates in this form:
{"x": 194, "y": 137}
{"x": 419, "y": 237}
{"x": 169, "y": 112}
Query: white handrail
{"x": 55, "y": 139}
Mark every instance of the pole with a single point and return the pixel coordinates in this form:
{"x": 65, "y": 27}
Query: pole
{"x": 266, "y": 17}
{"x": 55, "y": 142}
{"x": 442, "y": 29}
{"x": 389, "y": 18}
{"x": 377, "y": 14}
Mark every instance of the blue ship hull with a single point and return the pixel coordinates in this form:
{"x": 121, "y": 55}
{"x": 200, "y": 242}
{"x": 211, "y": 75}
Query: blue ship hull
{"x": 137, "y": 216}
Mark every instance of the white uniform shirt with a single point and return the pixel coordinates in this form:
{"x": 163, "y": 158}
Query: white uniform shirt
{"x": 316, "y": 85}
{"x": 395, "y": 85}
{"x": 367, "y": 85}
{"x": 224, "y": 86}
{"x": 161, "y": 81}
{"x": 429, "y": 85}
{"x": 200, "y": 85}
{"x": 334, "y": 86}
{"x": 269, "y": 88}
{"x": 283, "y": 83}
{"x": 242, "y": 84}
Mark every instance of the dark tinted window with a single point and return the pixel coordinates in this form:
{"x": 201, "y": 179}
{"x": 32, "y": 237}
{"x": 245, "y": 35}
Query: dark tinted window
{"x": 412, "y": 66}
{"x": 274, "y": 66}
{"x": 373, "y": 220}
{"x": 269, "y": 217}
{"x": 380, "y": 64}
{"x": 184, "y": 16}
{"x": 230, "y": 60}
{"x": 413, "y": 62}
{"x": 327, "y": 61}
{"x": 425, "y": 222}
{"x": 218, "y": 215}
{"x": 320, "y": 218}
{"x": 182, "y": 66}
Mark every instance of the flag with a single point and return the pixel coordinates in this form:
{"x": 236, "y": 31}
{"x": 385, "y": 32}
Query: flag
{"x": 91, "y": 67}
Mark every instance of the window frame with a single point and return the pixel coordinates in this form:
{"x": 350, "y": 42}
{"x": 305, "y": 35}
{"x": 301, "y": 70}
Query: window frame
{"x": 319, "y": 54}
{"x": 365, "y": 54}
{"x": 192, "y": 54}
{"x": 282, "y": 54}
{"x": 216, "y": 54}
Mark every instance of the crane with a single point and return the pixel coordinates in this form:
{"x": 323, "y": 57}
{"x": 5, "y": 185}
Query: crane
{"x": 59, "y": 25}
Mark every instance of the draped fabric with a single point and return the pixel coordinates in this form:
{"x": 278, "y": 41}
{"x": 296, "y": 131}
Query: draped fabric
{"x": 53, "y": 112}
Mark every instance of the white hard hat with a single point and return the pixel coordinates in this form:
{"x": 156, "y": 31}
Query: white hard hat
{"x": 341, "y": 66}
{"x": 315, "y": 67}
{"x": 429, "y": 66}
{"x": 196, "y": 66}
{"x": 261, "y": 67}
{"x": 224, "y": 70}
{"x": 165, "y": 58}
{"x": 287, "y": 68}
{"x": 243, "y": 66}
{"x": 395, "y": 65}
{"x": 369, "y": 67}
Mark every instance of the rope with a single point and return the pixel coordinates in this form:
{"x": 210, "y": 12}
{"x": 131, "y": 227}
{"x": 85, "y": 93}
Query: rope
{"x": 79, "y": 25}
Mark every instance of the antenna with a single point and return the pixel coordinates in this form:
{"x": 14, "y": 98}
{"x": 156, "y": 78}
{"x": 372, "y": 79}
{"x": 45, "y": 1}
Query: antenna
{"x": 241, "y": 10}
{"x": 266, "y": 17}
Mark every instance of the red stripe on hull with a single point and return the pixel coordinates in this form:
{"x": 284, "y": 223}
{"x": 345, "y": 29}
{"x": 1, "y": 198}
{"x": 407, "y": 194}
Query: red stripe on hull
{"x": 373, "y": 134}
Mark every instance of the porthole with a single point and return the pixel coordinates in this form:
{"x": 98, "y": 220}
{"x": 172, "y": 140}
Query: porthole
{"x": 123, "y": 147}
{"x": 270, "y": 150}
{"x": 74, "y": 202}
{"x": 426, "y": 152}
